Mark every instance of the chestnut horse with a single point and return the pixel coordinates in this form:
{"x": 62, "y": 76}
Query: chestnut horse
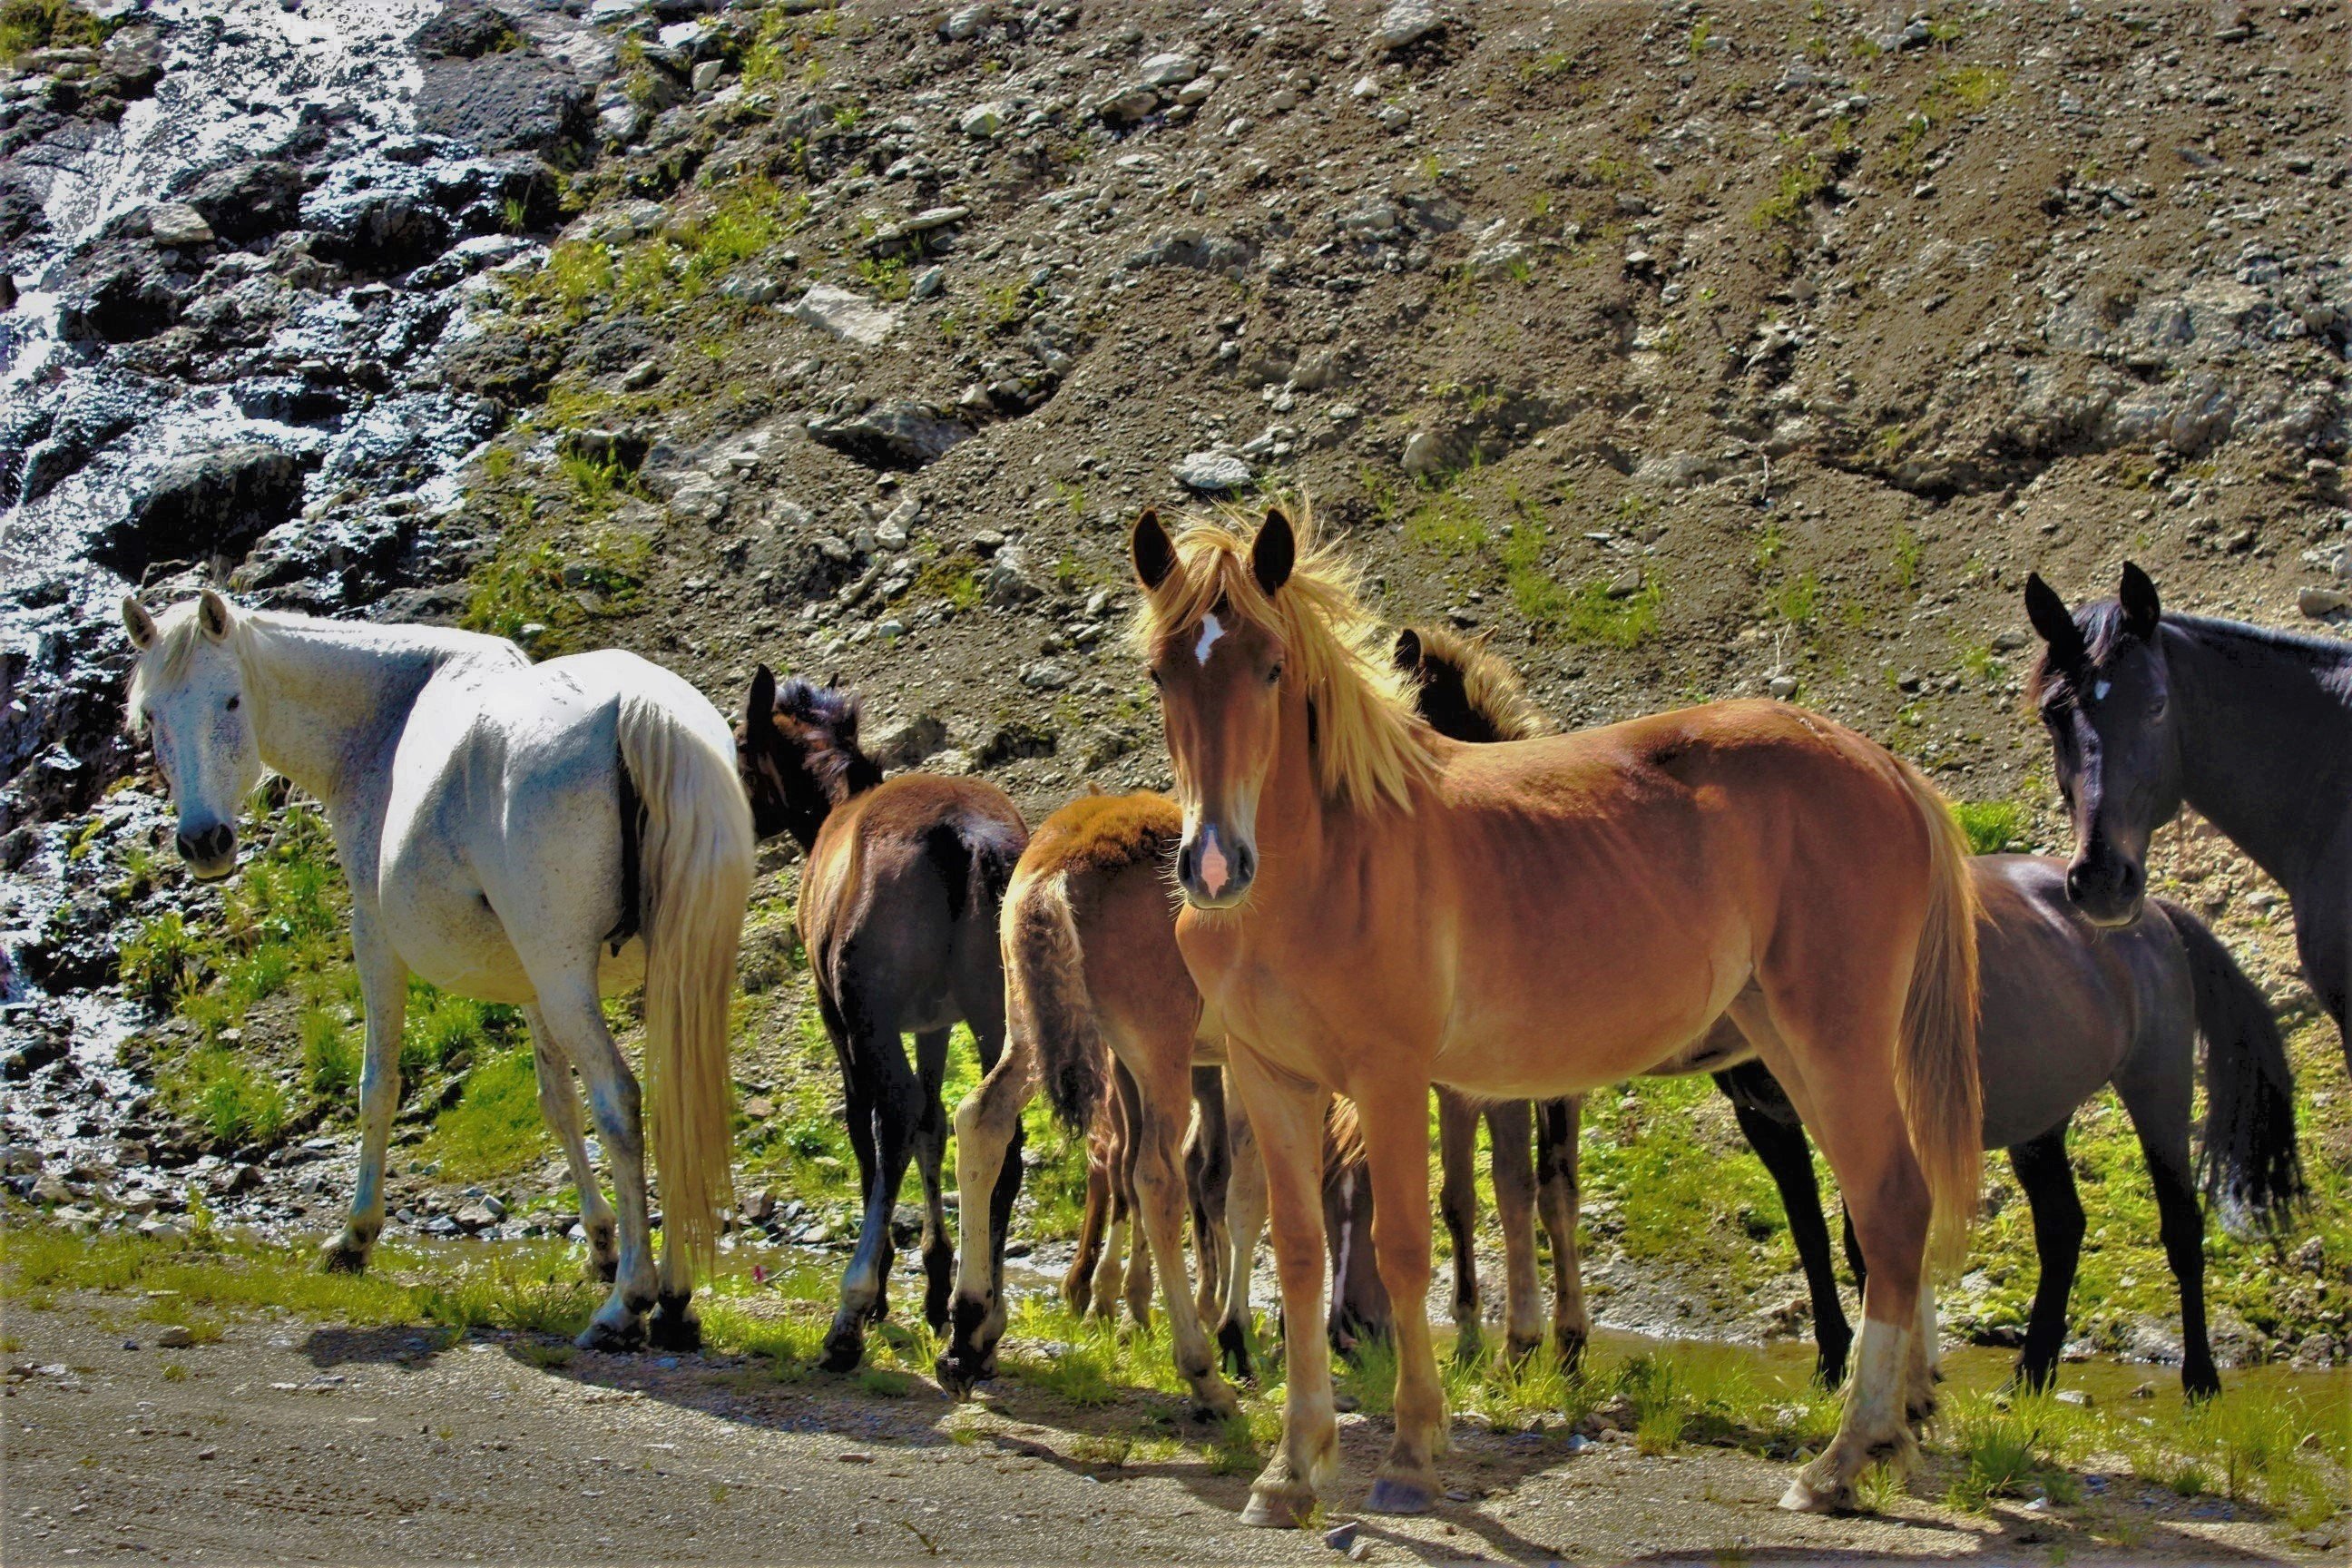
{"x": 897, "y": 911}
{"x": 1371, "y": 907}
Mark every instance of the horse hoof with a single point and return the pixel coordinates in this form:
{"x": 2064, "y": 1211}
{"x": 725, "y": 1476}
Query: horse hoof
{"x": 673, "y": 1327}
{"x": 1286, "y": 1507}
{"x": 844, "y": 1347}
{"x": 342, "y": 1258}
{"x": 2201, "y": 1385}
{"x": 1392, "y": 1494}
{"x": 613, "y": 1338}
{"x": 1212, "y": 1401}
{"x": 1800, "y": 1498}
{"x": 1571, "y": 1345}
{"x": 959, "y": 1376}
{"x": 1517, "y": 1350}
{"x": 601, "y": 1270}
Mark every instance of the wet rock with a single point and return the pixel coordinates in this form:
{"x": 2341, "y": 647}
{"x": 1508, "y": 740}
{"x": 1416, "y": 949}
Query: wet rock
{"x": 217, "y": 503}
{"x": 177, "y": 223}
{"x": 122, "y": 303}
{"x": 467, "y": 31}
{"x": 900, "y": 434}
{"x": 384, "y": 233}
{"x": 250, "y": 201}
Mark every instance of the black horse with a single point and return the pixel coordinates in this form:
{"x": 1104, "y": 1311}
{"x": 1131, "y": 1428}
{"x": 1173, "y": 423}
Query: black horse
{"x": 2252, "y": 727}
{"x": 2069, "y": 1006}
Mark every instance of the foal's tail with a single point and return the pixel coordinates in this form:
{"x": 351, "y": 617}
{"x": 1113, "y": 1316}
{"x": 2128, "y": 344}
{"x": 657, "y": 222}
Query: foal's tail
{"x": 1047, "y": 1009}
{"x": 1936, "y": 1069}
{"x": 696, "y": 859}
{"x": 2252, "y": 1173}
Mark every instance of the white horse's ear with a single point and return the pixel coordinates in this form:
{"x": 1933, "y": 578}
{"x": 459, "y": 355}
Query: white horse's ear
{"x": 213, "y": 615}
{"x": 138, "y": 622}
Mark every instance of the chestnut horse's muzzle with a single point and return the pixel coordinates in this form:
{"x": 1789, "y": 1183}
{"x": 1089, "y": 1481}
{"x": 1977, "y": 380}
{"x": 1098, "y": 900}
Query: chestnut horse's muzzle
{"x": 1215, "y": 873}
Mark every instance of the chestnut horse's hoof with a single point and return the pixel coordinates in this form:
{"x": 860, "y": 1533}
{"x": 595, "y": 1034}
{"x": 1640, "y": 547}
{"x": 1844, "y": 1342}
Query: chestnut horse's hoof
{"x": 1802, "y": 1496}
{"x": 1394, "y": 1494}
{"x": 674, "y": 1326}
{"x": 1286, "y": 1506}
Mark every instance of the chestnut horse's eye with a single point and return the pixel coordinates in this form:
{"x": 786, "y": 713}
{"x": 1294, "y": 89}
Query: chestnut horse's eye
{"x": 1155, "y": 677}
{"x": 1274, "y": 676}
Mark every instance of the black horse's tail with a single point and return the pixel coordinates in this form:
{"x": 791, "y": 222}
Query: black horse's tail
{"x": 2252, "y": 1172}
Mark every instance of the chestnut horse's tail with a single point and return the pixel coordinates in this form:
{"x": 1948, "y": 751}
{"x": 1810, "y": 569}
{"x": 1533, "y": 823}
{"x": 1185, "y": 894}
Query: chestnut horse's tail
{"x": 1047, "y": 1009}
{"x": 696, "y": 859}
{"x": 1936, "y": 1064}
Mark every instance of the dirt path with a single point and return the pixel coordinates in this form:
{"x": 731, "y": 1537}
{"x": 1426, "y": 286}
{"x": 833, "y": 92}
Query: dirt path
{"x": 291, "y": 1442}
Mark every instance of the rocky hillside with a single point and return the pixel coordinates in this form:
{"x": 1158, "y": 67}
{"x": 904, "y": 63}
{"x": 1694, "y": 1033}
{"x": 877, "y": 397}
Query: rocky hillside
{"x": 1690, "y": 352}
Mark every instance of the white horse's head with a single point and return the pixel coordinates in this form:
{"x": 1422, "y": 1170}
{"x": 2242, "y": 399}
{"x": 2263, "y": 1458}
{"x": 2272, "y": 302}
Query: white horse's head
{"x": 188, "y": 691}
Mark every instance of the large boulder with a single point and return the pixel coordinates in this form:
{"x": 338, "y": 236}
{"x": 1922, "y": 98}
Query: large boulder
{"x": 250, "y": 201}
{"x": 485, "y": 84}
{"x": 213, "y": 502}
{"x": 901, "y": 434}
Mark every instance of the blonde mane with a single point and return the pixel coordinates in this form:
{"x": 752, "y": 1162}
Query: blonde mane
{"x": 1371, "y": 746}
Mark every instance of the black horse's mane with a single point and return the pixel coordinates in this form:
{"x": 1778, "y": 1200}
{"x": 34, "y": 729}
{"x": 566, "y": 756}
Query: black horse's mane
{"x": 839, "y": 764}
{"x": 2105, "y": 627}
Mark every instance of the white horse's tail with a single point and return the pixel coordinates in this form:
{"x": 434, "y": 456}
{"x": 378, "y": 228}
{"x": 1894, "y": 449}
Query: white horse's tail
{"x": 696, "y": 861}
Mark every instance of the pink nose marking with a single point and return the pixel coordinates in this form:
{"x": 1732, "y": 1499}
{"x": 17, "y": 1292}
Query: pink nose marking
{"x": 1213, "y": 864}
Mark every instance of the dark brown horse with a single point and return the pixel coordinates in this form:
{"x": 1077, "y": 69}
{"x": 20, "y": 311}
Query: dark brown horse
{"x": 898, "y": 911}
{"x": 2148, "y": 712}
{"x": 2068, "y": 1007}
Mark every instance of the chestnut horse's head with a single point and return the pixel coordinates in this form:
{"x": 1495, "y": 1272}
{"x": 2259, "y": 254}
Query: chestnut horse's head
{"x": 2104, "y": 696}
{"x": 1240, "y": 639}
{"x": 796, "y": 750}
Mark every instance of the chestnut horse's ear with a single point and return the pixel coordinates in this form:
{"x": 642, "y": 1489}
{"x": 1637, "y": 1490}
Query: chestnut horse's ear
{"x": 215, "y": 614}
{"x": 1273, "y": 553}
{"x": 1154, "y": 554}
{"x": 761, "y": 701}
{"x": 2137, "y": 596}
{"x": 138, "y": 622}
{"x": 1407, "y": 655}
{"x": 2054, "y": 622}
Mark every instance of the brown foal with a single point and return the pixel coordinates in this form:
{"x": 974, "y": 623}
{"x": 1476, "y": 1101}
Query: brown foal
{"x": 1371, "y": 907}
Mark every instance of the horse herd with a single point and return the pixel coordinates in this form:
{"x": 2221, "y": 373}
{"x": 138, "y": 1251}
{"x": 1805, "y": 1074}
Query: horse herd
{"x": 1380, "y": 874}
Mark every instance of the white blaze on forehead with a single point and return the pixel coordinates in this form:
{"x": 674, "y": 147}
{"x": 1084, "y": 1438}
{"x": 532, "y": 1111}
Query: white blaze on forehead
{"x": 1210, "y": 632}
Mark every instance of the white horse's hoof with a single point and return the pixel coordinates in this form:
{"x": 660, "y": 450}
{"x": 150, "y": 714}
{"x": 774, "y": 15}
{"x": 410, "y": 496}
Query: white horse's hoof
{"x": 1800, "y": 1498}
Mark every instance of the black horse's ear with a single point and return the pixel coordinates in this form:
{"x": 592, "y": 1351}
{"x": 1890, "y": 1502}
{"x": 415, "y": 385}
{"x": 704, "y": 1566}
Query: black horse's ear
{"x": 2137, "y": 596}
{"x": 1154, "y": 554}
{"x": 2054, "y": 622}
{"x": 1273, "y": 553}
{"x": 1407, "y": 655}
{"x": 761, "y": 702}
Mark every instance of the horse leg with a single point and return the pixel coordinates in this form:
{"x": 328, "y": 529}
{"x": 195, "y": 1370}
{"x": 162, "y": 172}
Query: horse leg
{"x": 1138, "y": 1289}
{"x": 383, "y": 992}
{"x": 988, "y": 1136}
{"x": 1113, "y": 1266}
{"x": 574, "y": 1020}
{"x": 1558, "y": 1195}
{"x": 2156, "y": 1091}
{"x": 1287, "y": 1115}
{"x": 1207, "y": 1173}
{"x": 1457, "y": 1201}
{"x": 1396, "y": 1142}
{"x": 1510, "y": 1130}
{"x": 1859, "y": 1122}
{"x": 558, "y": 1103}
{"x": 1077, "y": 1280}
{"x": 2049, "y": 1183}
{"x": 1245, "y": 1210}
{"x": 930, "y": 1154}
{"x": 1771, "y": 1125}
{"x": 1164, "y": 1106}
{"x": 2323, "y": 940}
{"x": 894, "y": 1106}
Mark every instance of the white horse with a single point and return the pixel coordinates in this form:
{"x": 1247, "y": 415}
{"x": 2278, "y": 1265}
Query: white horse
{"x": 538, "y": 834}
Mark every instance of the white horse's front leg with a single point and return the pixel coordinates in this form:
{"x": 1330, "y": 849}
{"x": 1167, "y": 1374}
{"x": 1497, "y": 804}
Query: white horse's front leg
{"x": 577, "y": 1024}
{"x": 383, "y": 990}
{"x": 560, "y": 1105}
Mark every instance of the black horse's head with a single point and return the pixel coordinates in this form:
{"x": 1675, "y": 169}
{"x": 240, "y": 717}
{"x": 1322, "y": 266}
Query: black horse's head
{"x": 2106, "y": 697}
{"x": 797, "y": 752}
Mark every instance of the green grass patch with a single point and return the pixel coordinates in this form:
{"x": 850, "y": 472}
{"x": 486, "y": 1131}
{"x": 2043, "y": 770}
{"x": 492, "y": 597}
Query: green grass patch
{"x": 1993, "y": 826}
{"x": 29, "y": 24}
{"x": 495, "y": 1129}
